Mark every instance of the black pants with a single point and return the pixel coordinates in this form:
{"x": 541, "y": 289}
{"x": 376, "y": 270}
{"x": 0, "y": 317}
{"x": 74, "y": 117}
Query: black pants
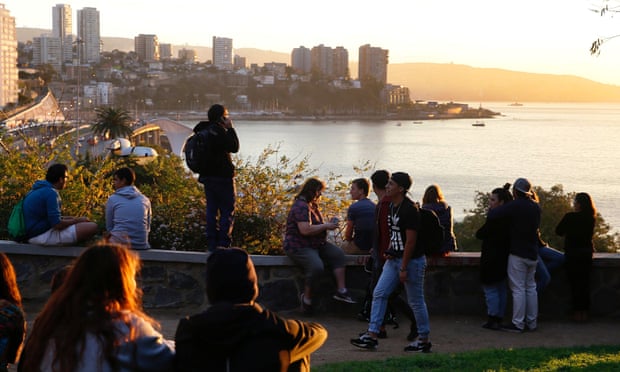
{"x": 578, "y": 270}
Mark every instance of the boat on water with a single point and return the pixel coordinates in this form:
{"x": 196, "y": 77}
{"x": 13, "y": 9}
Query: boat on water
{"x": 478, "y": 123}
{"x": 516, "y": 104}
{"x": 417, "y": 122}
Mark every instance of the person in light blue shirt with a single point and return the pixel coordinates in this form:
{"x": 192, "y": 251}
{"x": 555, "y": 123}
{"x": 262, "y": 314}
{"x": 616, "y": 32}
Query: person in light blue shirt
{"x": 128, "y": 212}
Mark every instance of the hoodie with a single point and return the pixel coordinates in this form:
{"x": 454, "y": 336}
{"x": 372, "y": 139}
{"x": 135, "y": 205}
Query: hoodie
{"x": 128, "y": 216}
{"x": 41, "y": 208}
{"x": 245, "y": 337}
{"x": 444, "y": 213}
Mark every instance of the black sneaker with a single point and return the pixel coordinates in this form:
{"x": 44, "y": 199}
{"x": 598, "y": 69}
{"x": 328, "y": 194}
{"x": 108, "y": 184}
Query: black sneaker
{"x": 344, "y": 297}
{"x": 419, "y": 346}
{"x": 365, "y": 341}
{"x": 494, "y": 326}
{"x": 512, "y": 328}
{"x": 306, "y": 309}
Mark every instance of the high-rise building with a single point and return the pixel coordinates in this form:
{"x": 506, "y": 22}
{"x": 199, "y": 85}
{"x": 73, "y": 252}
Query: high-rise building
{"x": 88, "y": 33}
{"x": 165, "y": 51}
{"x": 340, "y": 58}
{"x": 222, "y": 53}
{"x": 147, "y": 47}
{"x": 47, "y": 50}
{"x": 300, "y": 60}
{"x": 188, "y": 55}
{"x": 8, "y": 58}
{"x": 62, "y": 28}
{"x": 239, "y": 62}
{"x": 373, "y": 62}
{"x": 322, "y": 60}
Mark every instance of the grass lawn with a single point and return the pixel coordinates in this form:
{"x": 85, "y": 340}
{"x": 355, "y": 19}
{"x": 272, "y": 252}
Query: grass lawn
{"x": 594, "y": 358}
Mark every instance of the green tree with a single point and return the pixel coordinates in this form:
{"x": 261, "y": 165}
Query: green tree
{"x": 112, "y": 122}
{"x": 554, "y": 204}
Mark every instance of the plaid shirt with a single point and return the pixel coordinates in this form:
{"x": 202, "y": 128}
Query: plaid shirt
{"x": 302, "y": 211}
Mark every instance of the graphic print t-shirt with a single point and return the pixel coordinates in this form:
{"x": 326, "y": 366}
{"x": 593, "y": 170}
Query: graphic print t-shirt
{"x": 401, "y": 218}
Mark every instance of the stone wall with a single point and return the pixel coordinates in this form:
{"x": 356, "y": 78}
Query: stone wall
{"x": 173, "y": 279}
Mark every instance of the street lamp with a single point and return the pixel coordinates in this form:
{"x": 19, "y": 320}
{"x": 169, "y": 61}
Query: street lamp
{"x": 78, "y": 43}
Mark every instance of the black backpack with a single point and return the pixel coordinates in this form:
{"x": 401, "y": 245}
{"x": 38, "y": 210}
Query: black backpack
{"x": 196, "y": 150}
{"x": 431, "y": 232}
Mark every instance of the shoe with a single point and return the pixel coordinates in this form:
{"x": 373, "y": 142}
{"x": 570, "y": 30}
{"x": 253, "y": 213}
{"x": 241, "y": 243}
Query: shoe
{"x": 530, "y": 329}
{"x": 494, "y": 326}
{"x": 382, "y": 334}
{"x": 365, "y": 341}
{"x": 419, "y": 346}
{"x": 512, "y": 328}
{"x": 306, "y": 309}
{"x": 344, "y": 297}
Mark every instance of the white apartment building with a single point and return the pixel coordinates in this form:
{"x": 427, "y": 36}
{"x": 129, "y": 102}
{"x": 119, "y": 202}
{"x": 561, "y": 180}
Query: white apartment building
{"x": 62, "y": 28}
{"x": 222, "y": 53}
{"x": 88, "y": 32}
{"x": 8, "y": 58}
{"x": 47, "y": 49}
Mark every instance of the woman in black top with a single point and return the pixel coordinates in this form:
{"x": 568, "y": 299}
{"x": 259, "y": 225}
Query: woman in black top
{"x": 578, "y": 228}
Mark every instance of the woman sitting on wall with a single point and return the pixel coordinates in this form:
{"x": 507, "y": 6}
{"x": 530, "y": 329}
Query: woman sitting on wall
{"x": 12, "y": 319}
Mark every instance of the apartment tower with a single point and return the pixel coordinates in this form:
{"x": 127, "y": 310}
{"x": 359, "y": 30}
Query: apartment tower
{"x": 300, "y": 60}
{"x": 8, "y": 58}
{"x": 147, "y": 47}
{"x": 62, "y": 28}
{"x": 373, "y": 62}
{"x": 223, "y": 53}
{"x": 89, "y": 39}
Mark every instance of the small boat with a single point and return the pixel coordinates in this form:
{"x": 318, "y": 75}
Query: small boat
{"x": 478, "y": 123}
{"x": 516, "y": 104}
{"x": 417, "y": 122}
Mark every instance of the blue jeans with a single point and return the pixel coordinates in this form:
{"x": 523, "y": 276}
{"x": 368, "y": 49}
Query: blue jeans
{"x": 549, "y": 259}
{"x": 495, "y": 295}
{"x": 414, "y": 286}
{"x": 220, "y": 194}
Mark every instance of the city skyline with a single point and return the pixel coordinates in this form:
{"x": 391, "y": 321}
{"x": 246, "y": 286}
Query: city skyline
{"x": 531, "y": 36}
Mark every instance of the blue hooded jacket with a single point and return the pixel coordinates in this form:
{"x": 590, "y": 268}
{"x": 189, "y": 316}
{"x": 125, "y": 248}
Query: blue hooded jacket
{"x": 41, "y": 208}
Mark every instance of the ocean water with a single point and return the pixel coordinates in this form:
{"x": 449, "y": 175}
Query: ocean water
{"x": 576, "y": 145}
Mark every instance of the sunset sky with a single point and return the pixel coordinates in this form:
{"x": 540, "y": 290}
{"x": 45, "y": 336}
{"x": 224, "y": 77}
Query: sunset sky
{"x": 549, "y": 36}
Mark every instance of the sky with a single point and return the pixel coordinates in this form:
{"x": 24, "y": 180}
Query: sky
{"x": 540, "y": 36}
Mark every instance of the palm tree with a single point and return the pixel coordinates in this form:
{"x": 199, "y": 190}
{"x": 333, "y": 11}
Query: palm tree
{"x": 112, "y": 123}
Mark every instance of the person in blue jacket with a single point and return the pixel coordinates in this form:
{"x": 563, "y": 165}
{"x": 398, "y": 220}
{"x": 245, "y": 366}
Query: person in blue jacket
{"x": 45, "y": 225}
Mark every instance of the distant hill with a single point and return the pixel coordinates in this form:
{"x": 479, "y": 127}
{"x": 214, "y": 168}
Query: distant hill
{"x": 431, "y": 81}
{"x": 446, "y": 82}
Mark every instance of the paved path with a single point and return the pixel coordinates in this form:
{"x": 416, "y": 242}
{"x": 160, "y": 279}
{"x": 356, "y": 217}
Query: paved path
{"x": 448, "y": 335}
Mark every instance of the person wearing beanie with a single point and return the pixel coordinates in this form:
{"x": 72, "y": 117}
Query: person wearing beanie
{"x": 523, "y": 214}
{"x": 235, "y": 333}
{"x": 405, "y": 263}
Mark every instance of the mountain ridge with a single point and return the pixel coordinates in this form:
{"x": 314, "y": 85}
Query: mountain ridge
{"x": 431, "y": 81}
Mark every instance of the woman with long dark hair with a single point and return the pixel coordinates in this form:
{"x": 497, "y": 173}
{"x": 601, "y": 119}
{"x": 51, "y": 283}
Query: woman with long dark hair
{"x": 577, "y": 227}
{"x": 305, "y": 242}
{"x": 94, "y": 320}
{"x": 12, "y": 319}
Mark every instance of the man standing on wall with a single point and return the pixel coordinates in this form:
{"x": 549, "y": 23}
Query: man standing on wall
{"x": 218, "y": 175}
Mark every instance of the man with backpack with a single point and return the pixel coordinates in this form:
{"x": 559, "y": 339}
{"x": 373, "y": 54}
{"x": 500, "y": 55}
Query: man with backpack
{"x": 405, "y": 262}
{"x": 217, "y": 175}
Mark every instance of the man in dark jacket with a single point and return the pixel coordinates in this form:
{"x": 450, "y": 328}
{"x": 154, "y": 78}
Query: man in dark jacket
{"x": 237, "y": 334}
{"x": 218, "y": 176}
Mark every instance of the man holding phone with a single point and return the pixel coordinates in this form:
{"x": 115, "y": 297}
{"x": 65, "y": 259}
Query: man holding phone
{"x": 218, "y": 176}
